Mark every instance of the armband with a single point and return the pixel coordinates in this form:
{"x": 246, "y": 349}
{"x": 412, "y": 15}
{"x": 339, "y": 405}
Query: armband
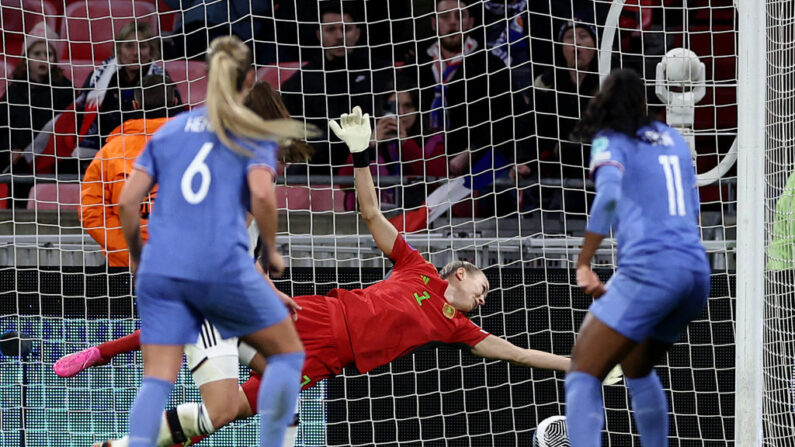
{"x": 361, "y": 159}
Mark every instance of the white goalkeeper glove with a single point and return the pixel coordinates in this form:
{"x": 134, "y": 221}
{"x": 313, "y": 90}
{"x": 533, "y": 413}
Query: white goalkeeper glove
{"x": 354, "y": 129}
{"x": 614, "y": 376}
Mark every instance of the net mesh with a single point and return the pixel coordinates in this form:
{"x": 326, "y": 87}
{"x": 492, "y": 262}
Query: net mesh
{"x": 486, "y": 157}
{"x": 779, "y": 346}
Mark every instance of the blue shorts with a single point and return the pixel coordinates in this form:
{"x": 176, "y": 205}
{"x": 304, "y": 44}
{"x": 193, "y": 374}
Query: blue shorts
{"x": 172, "y": 309}
{"x": 656, "y": 305}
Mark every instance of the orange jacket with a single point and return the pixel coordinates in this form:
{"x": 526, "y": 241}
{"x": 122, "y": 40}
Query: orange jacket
{"x": 103, "y": 183}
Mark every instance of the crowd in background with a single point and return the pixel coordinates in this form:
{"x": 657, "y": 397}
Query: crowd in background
{"x": 489, "y": 89}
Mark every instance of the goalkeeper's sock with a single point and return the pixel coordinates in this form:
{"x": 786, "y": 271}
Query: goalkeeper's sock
{"x": 185, "y": 422}
{"x": 193, "y": 440}
{"x": 146, "y": 410}
{"x": 128, "y": 343}
{"x": 251, "y": 390}
{"x": 277, "y": 395}
{"x": 651, "y": 409}
{"x": 584, "y": 410}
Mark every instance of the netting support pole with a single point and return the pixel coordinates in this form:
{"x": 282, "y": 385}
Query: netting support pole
{"x": 751, "y": 76}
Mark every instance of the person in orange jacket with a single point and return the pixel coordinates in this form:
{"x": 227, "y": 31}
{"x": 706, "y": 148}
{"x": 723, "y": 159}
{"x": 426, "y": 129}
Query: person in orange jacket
{"x": 107, "y": 174}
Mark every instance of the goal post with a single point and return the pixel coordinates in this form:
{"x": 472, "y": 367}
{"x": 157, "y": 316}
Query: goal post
{"x": 751, "y": 69}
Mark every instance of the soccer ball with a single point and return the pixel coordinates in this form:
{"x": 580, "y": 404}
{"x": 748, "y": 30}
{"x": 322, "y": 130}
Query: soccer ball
{"x": 552, "y": 432}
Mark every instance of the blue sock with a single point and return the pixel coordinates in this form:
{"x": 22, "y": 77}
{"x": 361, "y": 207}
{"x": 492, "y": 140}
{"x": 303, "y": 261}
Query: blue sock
{"x": 651, "y": 409}
{"x": 277, "y": 394}
{"x": 585, "y": 415}
{"x": 147, "y": 410}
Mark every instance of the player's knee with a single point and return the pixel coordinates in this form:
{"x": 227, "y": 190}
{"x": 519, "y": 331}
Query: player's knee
{"x": 222, "y": 415}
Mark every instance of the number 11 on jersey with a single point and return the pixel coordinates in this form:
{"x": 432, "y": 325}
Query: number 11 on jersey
{"x": 673, "y": 181}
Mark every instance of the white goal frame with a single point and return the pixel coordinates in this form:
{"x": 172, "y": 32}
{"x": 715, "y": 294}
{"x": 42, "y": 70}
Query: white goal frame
{"x": 751, "y": 93}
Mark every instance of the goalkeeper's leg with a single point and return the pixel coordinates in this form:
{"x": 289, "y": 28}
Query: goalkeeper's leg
{"x": 70, "y": 365}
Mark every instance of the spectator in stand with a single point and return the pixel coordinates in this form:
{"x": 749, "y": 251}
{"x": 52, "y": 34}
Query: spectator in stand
{"x": 400, "y": 148}
{"x": 107, "y": 174}
{"x": 341, "y": 77}
{"x": 201, "y": 21}
{"x": 107, "y": 100}
{"x": 507, "y": 36}
{"x": 37, "y": 91}
{"x": 466, "y": 91}
{"x": 563, "y": 93}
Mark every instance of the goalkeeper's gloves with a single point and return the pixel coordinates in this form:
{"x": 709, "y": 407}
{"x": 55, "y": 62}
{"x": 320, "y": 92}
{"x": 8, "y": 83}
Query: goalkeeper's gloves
{"x": 354, "y": 129}
{"x": 614, "y": 376}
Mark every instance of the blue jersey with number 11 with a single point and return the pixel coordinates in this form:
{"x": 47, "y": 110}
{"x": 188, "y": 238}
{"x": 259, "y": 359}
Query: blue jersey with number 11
{"x": 197, "y": 229}
{"x": 656, "y": 221}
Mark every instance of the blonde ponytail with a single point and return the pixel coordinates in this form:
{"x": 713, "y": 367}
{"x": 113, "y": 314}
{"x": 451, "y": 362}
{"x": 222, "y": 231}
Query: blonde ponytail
{"x": 229, "y": 61}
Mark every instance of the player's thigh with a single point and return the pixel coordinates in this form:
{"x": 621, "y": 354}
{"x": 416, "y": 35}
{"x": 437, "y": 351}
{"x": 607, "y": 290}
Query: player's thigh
{"x": 212, "y": 358}
{"x": 689, "y": 306}
{"x": 242, "y": 307}
{"x": 222, "y": 399}
{"x": 280, "y": 338}
{"x": 640, "y": 361}
{"x": 166, "y": 317}
{"x": 635, "y": 303}
{"x": 598, "y": 348}
{"x": 162, "y": 361}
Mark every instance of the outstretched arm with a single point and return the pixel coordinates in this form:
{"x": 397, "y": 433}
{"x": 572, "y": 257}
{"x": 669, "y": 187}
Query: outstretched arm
{"x": 493, "y": 347}
{"x": 354, "y": 129}
{"x": 384, "y": 233}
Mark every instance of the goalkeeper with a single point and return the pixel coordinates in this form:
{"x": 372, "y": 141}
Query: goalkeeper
{"x": 416, "y": 307}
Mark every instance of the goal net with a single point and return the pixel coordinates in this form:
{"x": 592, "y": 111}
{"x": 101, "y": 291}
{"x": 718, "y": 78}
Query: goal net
{"x": 779, "y": 311}
{"x": 473, "y": 159}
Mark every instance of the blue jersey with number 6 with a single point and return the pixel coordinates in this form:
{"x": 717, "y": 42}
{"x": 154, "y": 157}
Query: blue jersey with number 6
{"x": 656, "y": 221}
{"x": 197, "y": 229}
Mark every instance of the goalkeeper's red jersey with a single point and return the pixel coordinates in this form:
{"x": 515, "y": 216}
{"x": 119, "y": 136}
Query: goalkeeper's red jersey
{"x": 403, "y": 313}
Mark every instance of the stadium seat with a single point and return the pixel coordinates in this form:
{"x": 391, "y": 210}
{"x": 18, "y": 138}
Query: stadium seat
{"x": 78, "y": 70}
{"x": 168, "y": 17}
{"x": 90, "y": 26}
{"x": 18, "y": 17}
{"x": 190, "y": 78}
{"x": 53, "y": 196}
{"x": 276, "y": 75}
{"x": 317, "y": 198}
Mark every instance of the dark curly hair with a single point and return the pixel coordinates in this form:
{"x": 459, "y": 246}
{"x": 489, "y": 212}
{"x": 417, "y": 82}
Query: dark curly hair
{"x": 620, "y": 105}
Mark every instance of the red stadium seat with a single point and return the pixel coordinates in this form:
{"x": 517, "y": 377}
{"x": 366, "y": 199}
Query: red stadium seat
{"x": 78, "y": 70}
{"x": 276, "y": 75}
{"x": 18, "y": 17}
{"x": 90, "y": 26}
{"x": 168, "y": 17}
{"x": 53, "y": 196}
{"x": 190, "y": 78}
{"x": 317, "y": 198}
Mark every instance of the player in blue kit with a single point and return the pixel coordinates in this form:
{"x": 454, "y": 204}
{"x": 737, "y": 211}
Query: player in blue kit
{"x": 646, "y": 189}
{"x": 212, "y": 166}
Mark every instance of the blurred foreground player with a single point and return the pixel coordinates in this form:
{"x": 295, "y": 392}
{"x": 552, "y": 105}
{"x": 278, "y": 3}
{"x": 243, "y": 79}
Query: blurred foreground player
{"x": 212, "y": 165}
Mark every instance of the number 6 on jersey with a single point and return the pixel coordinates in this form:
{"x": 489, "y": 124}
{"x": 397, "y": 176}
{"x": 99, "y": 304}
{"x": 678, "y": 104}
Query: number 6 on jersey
{"x": 197, "y": 166}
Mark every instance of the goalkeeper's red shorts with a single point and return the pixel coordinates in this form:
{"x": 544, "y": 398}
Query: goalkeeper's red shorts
{"x": 323, "y": 331}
